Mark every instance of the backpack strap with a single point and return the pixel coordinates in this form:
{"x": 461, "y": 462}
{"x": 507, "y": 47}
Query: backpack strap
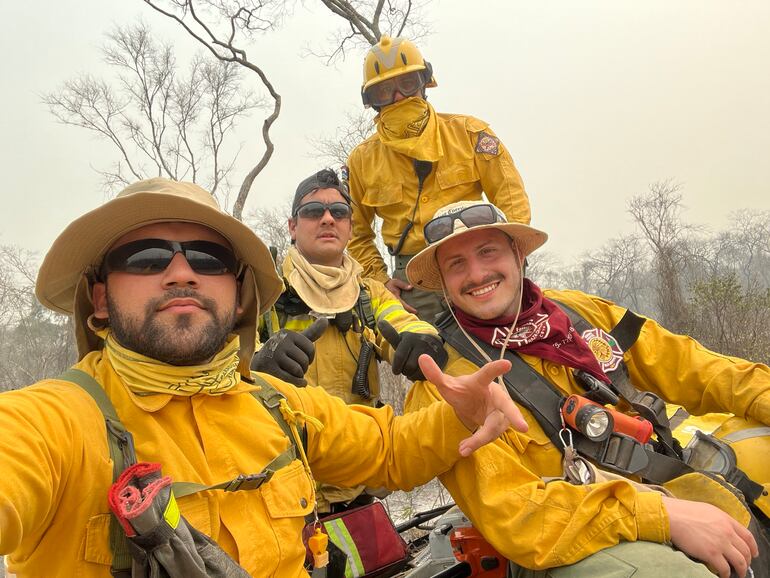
{"x": 122, "y": 453}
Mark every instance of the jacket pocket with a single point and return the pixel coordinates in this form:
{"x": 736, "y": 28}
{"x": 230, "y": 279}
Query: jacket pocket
{"x": 289, "y": 494}
{"x": 382, "y": 195}
{"x": 456, "y": 173}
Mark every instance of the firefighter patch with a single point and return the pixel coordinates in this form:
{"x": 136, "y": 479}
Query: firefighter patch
{"x": 604, "y": 347}
{"x": 534, "y": 329}
{"x": 487, "y": 144}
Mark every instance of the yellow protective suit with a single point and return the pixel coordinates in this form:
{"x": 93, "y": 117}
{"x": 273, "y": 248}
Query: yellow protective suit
{"x": 383, "y": 183}
{"x": 54, "y": 516}
{"x": 542, "y": 525}
{"x": 336, "y": 354}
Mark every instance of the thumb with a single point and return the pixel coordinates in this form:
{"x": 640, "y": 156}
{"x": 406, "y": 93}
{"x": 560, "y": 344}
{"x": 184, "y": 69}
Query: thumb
{"x": 316, "y": 329}
{"x": 389, "y": 333}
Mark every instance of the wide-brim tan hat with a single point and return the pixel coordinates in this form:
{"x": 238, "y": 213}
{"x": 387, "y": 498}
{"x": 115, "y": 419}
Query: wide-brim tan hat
{"x": 63, "y": 284}
{"x": 423, "y": 270}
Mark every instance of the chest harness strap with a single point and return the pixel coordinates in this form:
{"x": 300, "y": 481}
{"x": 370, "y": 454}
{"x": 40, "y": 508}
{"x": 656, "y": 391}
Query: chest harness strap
{"x": 123, "y": 455}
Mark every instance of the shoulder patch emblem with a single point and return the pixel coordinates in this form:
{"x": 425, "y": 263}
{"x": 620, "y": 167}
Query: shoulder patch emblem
{"x": 487, "y": 144}
{"x": 605, "y": 347}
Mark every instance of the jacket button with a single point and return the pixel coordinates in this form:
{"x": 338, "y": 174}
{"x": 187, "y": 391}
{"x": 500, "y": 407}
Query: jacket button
{"x": 424, "y": 199}
{"x": 303, "y": 503}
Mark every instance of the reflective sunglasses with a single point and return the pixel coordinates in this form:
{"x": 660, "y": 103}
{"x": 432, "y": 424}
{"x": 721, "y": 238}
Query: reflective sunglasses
{"x": 151, "y": 256}
{"x": 473, "y": 216}
{"x": 315, "y": 210}
{"x": 383, "y": 93}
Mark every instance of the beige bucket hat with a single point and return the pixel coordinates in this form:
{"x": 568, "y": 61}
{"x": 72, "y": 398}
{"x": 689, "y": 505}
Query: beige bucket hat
{"x": 423, "y": 271}
{"x": 63, "y": 280}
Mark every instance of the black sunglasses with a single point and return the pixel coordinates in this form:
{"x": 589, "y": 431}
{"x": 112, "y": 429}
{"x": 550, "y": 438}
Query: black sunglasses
{"x": 473, "y": 216}
{"x": 315, "y": 210}
{"x": 151, "y": 256}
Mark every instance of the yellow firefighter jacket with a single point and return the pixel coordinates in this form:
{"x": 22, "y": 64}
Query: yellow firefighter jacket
{"x": 336, "y": 353}
{"x": 383, "y": 183}
{"x": 54, "y": 517}
{"x": 542, "y": 525}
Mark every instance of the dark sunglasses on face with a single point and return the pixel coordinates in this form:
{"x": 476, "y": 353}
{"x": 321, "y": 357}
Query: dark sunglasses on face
{"x": 384, "y": 93}
{"x": 315, "y": 210}
{"x": 440, "y": 227}
{"x": 151, "y": 256}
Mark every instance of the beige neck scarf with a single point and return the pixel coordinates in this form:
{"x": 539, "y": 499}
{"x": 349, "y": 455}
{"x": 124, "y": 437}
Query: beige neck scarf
{"x": 410, "y": 127}
{"x": 324, "y": 289}
{"x": 145, "y": 376}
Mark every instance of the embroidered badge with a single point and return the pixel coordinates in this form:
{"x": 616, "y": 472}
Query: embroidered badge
{"x": 533, "y": 330}
{"x": 604, "y": 347}
{"x": 487, "y": 144}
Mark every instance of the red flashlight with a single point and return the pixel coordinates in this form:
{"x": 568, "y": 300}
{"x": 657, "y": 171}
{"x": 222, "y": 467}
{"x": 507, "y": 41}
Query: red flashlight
{"x": 596, "y": 421}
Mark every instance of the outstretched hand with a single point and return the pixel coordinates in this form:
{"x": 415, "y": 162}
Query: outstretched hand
{"x": 709, "y": 535}
{"x": 480, "y": 403}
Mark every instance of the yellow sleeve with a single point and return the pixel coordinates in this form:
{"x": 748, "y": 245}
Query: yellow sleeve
{"x": 537, "y": 524}
{"x": 41, "y": 448}
{"x": 364, "y": 445}
{"x": 361, "y": 246}
{"x": 501, "y": 181}
{"x": 385, "y": 306}
{"x": 681, "y": 370}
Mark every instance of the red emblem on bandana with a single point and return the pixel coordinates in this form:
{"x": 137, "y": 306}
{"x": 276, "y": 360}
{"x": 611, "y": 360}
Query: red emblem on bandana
{"x": 605, "y": 347}
{"x": 487, "y": 144}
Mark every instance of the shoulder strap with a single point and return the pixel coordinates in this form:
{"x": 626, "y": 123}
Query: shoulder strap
{"x": 122, "y": 453}
{"x": 527, "y": 387}
{"x": 647, "y": 404}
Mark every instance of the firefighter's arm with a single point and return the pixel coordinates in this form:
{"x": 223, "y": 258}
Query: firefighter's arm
{"x": 361, "y": 246}
{"x": 362, "y": 445}
{"x": 412, "y": 335}
{"x": 681, "y": 370}
{"x": 536, "y": 524}
{"x": 41, "y": 451}
{"x": 499, "y": 177}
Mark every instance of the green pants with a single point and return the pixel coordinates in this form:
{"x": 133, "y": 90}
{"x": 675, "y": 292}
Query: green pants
{"x": 627, "y": 559}
{"x": 428, "y": 303}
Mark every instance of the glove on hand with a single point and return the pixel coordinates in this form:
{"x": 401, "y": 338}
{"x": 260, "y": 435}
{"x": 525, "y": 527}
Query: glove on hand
{"x": 408, "y": 347}
{"x": 288, "y": 354}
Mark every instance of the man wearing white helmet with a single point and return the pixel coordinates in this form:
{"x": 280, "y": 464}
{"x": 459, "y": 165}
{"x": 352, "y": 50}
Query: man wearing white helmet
{"x": 563, "y": 498}
{"x": 418, "y": 161}
{"x": 165, "y": 290}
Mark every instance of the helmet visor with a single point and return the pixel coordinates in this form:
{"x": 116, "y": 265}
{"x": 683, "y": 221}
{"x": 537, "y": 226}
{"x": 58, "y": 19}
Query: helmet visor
{"x": 384, "y": 93}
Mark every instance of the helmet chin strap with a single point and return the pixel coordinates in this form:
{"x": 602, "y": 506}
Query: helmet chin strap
{"x": 483, "y": 353}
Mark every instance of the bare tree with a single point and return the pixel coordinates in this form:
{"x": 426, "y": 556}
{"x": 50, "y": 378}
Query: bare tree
{"x": 272, "y": 227}
{"x": 221, "y": 26}
{"x": 335, "y": 150}
{"x": 366, "y": 21}
{"x": 658, "y": 214}
{"x": 161, "y": 121}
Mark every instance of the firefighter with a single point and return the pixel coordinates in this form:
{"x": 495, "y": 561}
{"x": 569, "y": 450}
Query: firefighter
{"x": 165, "y": 289}
{"x": 564, "y": 498}
{"x": 418, "y": 161}
{"x": 324, "y": 283}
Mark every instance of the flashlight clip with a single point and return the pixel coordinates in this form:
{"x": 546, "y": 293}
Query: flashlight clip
{"x": 596, "y": 390}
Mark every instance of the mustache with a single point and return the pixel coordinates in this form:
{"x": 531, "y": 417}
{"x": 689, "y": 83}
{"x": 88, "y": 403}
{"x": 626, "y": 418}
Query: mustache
{"x": 181, "y": 293}
{"x": 492, "y": 278}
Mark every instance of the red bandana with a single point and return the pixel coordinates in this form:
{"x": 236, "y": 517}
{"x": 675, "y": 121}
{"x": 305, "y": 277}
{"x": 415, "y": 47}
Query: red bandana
{"x": 543, "y": 330}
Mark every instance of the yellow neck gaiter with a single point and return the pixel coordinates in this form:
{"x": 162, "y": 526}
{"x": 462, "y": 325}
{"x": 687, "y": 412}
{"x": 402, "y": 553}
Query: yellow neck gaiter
{"x": 410, "y": 128}
{"x": 324, "y": 289}
{"x": 146, "y": 376}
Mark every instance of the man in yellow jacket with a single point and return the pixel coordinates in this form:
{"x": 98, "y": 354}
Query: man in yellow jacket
{"x": 323, "y": 282}
{"x": 417, "y": 162}
{"x": 166, "y": 289}
{"x": 561, "y": 496}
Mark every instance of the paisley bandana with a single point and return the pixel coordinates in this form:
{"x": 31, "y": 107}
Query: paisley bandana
{"x": 543, "y": 330}
{"x": 410, "y": 128}
{"x": 146, "y": 376}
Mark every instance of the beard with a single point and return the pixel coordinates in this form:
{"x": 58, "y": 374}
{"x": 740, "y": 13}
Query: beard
{"x": 181, "y": 341}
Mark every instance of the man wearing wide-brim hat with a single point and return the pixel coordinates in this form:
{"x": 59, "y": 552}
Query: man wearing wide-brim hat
{"x": 165, "y": 290}
{"x": 563, "y": 497}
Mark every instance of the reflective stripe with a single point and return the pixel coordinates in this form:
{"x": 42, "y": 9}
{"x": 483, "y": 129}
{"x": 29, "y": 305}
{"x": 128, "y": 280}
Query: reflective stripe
{"x": 744, "y": 434}
{"x": 171, "y": 513}
{"x": 339, "y": 534}
{"x": 298, "y": 324}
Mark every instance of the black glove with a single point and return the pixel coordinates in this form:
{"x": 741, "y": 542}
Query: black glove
{"x": 408, "y": 347}
{"x": 287, "y": 354}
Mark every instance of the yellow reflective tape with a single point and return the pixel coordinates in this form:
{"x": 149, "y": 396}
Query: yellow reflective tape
{"x": 171, "y": 513}
{"x": 298, "y": 324}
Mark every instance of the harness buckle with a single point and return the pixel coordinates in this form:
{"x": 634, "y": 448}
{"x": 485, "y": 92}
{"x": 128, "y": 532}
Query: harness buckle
{"x": 248, "y": 481}
{"x": 624, "y": 454}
